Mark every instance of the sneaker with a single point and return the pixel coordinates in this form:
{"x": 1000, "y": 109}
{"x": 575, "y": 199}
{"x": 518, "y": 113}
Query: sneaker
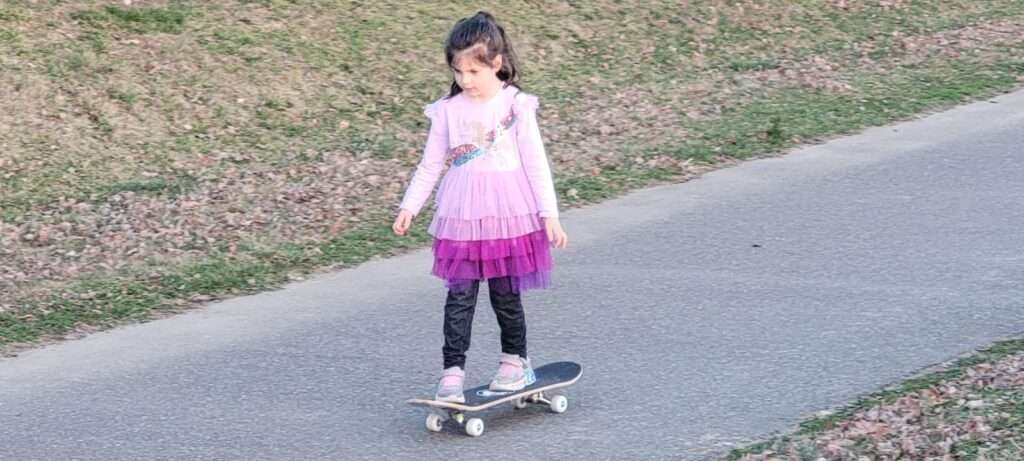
{"x": 514, "y": 373}
{"x": 449, "y": 389}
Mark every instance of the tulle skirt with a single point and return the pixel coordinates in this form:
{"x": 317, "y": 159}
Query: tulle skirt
{"x": 486, "y": 226}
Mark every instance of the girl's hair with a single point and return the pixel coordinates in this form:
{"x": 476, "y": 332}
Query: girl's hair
{"x": 481, "y": 30}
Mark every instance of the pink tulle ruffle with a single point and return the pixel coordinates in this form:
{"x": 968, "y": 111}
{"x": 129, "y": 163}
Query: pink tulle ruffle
{"x": 488, "y": 228}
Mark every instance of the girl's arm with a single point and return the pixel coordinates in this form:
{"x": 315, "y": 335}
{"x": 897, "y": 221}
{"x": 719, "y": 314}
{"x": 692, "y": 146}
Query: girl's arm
{"x": 429, "y": 168}
{"x": 534, "y": 158}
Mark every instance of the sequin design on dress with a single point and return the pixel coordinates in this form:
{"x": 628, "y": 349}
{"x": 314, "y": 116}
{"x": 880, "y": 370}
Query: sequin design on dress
{"x": 465, "y": 152}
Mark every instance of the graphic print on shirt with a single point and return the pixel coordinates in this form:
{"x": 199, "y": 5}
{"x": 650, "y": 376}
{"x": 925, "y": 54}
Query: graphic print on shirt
{"x": 498, "y": 144}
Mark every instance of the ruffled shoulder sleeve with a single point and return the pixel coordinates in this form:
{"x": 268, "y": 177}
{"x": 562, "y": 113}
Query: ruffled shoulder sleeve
{"x": 434, "y": 109}
{"x": 432, "y": 164}
{"x": 526, "y": 103}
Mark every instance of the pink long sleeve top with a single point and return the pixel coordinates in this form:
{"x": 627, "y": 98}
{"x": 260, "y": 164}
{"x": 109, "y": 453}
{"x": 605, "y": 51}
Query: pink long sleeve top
{"x": 499, "y": 183}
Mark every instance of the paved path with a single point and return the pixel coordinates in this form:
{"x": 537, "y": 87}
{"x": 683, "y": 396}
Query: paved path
{"x": 708, "y": 313}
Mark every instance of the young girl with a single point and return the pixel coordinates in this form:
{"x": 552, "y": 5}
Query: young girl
{"x": 496, "y": 209}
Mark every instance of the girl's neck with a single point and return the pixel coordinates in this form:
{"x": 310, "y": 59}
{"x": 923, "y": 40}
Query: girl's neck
{"x": 483, "y": 99}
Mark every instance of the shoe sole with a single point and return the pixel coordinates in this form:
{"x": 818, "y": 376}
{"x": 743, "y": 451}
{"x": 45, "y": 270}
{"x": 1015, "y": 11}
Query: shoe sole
{"x": 459, "y": 399}
{"x": 514, "y": 387}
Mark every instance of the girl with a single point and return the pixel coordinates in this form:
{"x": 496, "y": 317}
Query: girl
{"x": 496, "y": 208}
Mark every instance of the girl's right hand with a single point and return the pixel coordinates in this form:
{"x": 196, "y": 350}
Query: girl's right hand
{"x": 402, "y": 222}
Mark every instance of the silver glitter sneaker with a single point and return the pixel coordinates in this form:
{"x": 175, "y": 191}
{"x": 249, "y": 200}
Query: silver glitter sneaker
{"x": 449, "y": 389}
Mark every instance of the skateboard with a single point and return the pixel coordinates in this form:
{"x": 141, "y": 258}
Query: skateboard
{"x": 549, "y": 377}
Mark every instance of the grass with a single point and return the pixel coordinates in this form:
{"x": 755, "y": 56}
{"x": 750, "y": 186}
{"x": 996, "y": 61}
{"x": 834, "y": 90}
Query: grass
{"x": 350, "y": 41}
{"x": 169, "y": 20}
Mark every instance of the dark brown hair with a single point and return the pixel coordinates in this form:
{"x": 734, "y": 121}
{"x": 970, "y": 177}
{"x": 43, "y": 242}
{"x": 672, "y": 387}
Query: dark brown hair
{"x": 483, "y": 30}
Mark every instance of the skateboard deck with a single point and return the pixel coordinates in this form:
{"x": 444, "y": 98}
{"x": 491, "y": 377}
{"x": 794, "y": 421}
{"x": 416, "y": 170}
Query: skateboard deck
{"x": 549, "y": 377}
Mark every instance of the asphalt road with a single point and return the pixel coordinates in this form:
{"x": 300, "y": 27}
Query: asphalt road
{"x": 706, "y": 314}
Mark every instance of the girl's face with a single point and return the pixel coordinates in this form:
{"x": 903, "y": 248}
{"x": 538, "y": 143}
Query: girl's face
{"x": 477, "y": 79}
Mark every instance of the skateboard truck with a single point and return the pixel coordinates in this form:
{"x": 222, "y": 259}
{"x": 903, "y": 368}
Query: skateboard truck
{"x": 475, "y": 426}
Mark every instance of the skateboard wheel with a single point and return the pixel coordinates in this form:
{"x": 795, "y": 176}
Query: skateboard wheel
{"x": 475, "y": 427}
{"x": 434, "y": 422}
{"x": 559, "y": 404}
{"x": 520, "y": 403}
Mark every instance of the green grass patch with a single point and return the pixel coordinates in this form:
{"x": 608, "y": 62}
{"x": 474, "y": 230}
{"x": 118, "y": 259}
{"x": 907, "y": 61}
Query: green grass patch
{"x": 96, "y": 40}
{"x": 217, "y": 275}
{"x": 66, "y": 63}
{"x": 967, "y": 450}
{"x": 759, "y": 447}
{"x": 610, "y": 182}
{"x": 9, "y": 13}
{"x": 140, "y": 20}
{"x": 97, "y": 301}
{"x": 752, "y": 65}
{"x": 126, "y": 96}
{"x": 230, "y": 41}
{"x": 7, "y": 36}
{"x": 773, "y": 121}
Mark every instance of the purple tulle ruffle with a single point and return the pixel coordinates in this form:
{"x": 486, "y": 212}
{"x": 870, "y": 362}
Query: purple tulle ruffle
{"x": 525, "y": 259}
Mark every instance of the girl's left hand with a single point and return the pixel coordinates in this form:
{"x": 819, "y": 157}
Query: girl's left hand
{"x": 556, "y": 235}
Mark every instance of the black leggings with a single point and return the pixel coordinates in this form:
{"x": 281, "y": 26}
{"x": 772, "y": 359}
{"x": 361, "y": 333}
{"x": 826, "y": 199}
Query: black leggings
{"x": 458, "y": 319}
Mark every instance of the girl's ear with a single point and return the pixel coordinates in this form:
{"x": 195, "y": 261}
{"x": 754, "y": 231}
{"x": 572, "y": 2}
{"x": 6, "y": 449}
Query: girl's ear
{"x": 498, "y": 61}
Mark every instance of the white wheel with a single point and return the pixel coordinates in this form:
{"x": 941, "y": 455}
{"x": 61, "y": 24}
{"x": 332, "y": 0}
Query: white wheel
{"x": 434, "y": 422}
{"x": 559, "y": 404}
{"x": 520, "y": 403}
{"x": 475, "y": 427}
